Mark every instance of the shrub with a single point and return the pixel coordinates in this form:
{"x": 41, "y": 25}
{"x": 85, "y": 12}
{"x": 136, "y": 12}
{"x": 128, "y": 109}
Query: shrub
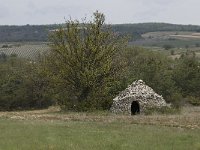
{"x": 172, "y": 52}
{"x": 176, "y": 99}
{"x": 22, "y": 86}
{"x": 193, "y": 100}
{"x": 5, "y": 46}
{"x": 167, "y": 47}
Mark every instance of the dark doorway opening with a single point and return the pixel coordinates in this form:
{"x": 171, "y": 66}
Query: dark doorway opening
{"x": 135, "y": 108}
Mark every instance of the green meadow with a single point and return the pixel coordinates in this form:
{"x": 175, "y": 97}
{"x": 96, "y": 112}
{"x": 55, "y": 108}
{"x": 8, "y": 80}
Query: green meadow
{"x": 86, "y": 135}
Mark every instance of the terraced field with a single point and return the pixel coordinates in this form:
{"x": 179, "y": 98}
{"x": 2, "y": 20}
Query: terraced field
{"x": 25, "y": 50}
{"x": 167, "y": 35}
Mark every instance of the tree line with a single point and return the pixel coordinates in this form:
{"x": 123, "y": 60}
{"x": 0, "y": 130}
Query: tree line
{"x": 40, "y": 33}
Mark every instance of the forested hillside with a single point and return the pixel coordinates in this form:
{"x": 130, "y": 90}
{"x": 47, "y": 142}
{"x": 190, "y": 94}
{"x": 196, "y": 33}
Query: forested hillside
{"x": 40, "y": 32}
{"x": 137, "y": 29}
{"x": 25, "y": 33}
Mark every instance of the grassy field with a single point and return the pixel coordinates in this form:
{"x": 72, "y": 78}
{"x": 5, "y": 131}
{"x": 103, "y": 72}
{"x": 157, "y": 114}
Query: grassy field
{"x": 78, "y": 135}
{"x": 52, "y": 129}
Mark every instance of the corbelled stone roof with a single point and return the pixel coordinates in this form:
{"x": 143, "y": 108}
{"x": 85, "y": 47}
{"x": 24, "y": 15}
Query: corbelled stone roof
{"x": 137, "y": 91}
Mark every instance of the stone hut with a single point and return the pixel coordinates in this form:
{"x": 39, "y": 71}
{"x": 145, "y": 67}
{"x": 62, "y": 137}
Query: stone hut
{"x": 137, "y": 98}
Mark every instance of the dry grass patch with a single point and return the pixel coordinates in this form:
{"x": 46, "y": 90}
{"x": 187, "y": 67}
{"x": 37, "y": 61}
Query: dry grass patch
{"x": 188, "y": 118}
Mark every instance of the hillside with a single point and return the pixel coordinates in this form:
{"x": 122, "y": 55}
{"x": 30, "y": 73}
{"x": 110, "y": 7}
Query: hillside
{"x": 40, "y": 32}
{"x": 25, "y": 33}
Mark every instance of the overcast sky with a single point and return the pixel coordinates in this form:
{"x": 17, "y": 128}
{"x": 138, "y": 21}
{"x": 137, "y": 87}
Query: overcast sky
{"x": 21, "y": 12}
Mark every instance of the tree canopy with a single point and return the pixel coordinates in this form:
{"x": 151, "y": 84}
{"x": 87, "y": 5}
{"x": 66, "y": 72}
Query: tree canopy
{"x": 83, "y": 62}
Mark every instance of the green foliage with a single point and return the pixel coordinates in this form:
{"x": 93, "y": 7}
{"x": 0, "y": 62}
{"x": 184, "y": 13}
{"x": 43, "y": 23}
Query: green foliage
{"x": 173, "y": 79}
{"x": 193, "y": 100}
{"x": 85, "y": 63}
{"x": 153, "y": 68}
{"x": 5, "y": 46}
{"x": 167, "y": 47}
{"x": 22, "y": 86}
{"x": 172, "y": 52}
{"x": 187, "y": 75}
{"x": 176, "y": 99}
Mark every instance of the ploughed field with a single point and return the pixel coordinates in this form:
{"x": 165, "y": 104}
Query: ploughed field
{"x": 53, "y": 129}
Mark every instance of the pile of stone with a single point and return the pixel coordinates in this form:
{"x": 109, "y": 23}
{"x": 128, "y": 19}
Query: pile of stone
{"x": 139, "y": 92}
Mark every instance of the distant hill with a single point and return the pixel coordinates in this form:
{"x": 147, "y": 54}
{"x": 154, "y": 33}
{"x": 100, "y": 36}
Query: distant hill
{"x": 40, "y": 33}
{"x": 136, "y": 30}
{"x": 25, "y": 33}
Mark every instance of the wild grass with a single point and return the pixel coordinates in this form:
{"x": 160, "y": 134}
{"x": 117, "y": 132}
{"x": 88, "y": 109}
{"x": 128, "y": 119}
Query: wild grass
{"x": 53, "y": 129}
{"x": 163, "y": 110}
{"x": 79, "y": 135}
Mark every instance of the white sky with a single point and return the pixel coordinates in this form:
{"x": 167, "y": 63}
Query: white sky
{"x": 20, "y": 12}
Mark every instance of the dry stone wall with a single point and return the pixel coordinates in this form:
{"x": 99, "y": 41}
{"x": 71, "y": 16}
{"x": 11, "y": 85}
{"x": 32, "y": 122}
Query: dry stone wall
{"x": 137, "y": 91}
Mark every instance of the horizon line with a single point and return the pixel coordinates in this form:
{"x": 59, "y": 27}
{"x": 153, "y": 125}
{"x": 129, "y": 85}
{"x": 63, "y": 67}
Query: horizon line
{"x": 105, "y": 23}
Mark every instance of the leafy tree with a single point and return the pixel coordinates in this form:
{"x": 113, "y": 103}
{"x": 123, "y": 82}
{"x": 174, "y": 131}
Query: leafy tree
{"x": 153, "y": 68}
{"x": 22, "y": 85}
{"x": 84, "y": 64}
{"x": 187, "y": 75}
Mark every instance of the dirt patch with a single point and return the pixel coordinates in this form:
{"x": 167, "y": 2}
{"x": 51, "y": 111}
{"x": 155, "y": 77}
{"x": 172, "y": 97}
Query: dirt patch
{"x": 186, "y": 36}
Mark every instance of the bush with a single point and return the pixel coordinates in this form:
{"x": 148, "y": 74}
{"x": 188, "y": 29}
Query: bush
{"x": 172, "y": 52}
{"x": 5, "y": 46}
{"x": 193, "y": 100}
{"x": 176, "y": 99}
{"x": 167, "y": 47}
{"x": 22, "y": 86}
{"x": 186, "y": 75}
